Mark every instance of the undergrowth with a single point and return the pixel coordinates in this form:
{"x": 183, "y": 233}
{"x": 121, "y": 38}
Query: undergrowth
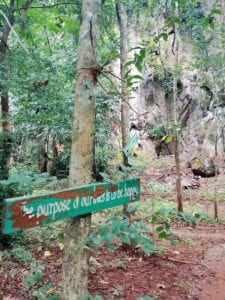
{"x": 117, "y": 232}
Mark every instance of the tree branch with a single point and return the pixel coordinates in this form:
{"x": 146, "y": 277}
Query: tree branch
{"x": 44, "y": 6}
{"x": 119, "y": 93}
{"x": 27, "y": 4}
{"x": 11, "y": 28}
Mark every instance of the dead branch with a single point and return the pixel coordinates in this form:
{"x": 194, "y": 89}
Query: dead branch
{"x": 185, "y": 262}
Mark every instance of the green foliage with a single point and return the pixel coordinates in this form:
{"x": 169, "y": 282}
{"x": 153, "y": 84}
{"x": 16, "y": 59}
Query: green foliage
{"x": 157, "y": 132}
{"x": 162, "y": 35}
{"x": 60, "y": 164}
{"x": 7, "y": 141}
{"x": 138, "y": 62}
{"x": 41, "y": 292}
{"x": 20, "y": 254}
{"x": 139, "y": 59}
{"x": 34, "y": 286}
{"x": 102, "y": 158}
{"x": 165, "y": 216}
{"x": 164, "y": 76}
{"x": 34, "y": 277}
{"x": 192, "y": 24}
{"x": 40, "y": 79}
{"x": 122, "y": 232}
{"x": 163, "y": 229}
{"x": 158, "y": 187}
{"x": 20, "y": 184}
{"x": 104, "y": 148}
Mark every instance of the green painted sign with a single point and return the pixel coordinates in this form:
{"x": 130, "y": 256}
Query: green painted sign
{"x": 27, "y": 212}
{"x": 132, "y": 142}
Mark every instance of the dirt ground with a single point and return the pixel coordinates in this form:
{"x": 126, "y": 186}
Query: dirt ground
{"x": 190, "y": 266}
{"x": 192, "y": 269}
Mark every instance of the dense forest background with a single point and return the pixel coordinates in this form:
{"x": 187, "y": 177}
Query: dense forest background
{"x": 38, "y": 63}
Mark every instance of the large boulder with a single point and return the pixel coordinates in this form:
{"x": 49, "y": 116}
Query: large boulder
{"x": 203, "y": 167}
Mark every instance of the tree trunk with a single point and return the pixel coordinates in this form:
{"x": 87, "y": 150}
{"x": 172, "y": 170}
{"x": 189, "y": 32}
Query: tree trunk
{"x": 5, "y": 111}
{"x": 125, "y": 109}
{"x": 76, "y": 256}
{"x": 178, "y": 177}
{"x": 176, "y": 133}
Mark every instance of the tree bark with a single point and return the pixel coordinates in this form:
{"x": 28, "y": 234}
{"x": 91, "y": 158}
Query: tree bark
{"x": 125, "y": 109}
{"x": 76, "y": 256}
{"x": 178, "y": 177}
{"x": 122, "y": 18}
{"x": 5, "y": 111}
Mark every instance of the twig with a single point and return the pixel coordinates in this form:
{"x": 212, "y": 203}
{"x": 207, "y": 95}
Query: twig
{"x": 185, "y": 262}
{"x": 104, "y": 89}
{"x": 108, "y": 92}
{"x": 113, "y": 84}
{"x": 114, "y": 75}
{"x": 104, "y": 73}
{"x": 132, "y": 108}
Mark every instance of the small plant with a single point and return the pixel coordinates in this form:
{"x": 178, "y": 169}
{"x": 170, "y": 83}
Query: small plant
{"x": 187, "y": 218}
{"x": 157, "y": 132}
{"x": 34, "y": 287}
{"x": 163, "y": 224}
{"x": 165, "y": 216}
{"x": 34, "y": 277}
{"x": 158, "y": 187}
{"x": 118, "y": 291}
{"x": 21, "y": 254}
{"x": 122, "y": 232}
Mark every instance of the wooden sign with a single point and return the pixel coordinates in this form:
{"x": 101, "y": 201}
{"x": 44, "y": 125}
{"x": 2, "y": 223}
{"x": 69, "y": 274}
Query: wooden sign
{"x": 132, "y": 142}
{"x": 27, "y": 212}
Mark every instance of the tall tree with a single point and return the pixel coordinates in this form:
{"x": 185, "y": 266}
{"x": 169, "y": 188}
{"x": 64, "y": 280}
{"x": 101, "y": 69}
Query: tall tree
{"x": 125, "y": 110}
{"x": 75, "y": 265}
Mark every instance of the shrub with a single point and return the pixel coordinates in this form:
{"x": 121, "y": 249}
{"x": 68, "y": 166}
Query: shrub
{"x": 157, "y": 132}
{"x": 122, "y": 232}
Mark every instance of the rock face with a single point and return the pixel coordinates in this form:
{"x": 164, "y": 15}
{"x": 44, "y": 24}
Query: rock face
{"x": 203, "y": 167}
{"x": 201, "y": 107}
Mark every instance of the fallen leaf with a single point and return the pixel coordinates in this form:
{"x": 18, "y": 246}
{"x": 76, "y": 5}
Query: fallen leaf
{"x": 47, "y": 254}
{"x": 61, "y": 246}
{"x": 161, "y": 286}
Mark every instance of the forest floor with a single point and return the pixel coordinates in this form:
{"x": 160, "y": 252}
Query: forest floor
{"x": 190, "y": 264}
